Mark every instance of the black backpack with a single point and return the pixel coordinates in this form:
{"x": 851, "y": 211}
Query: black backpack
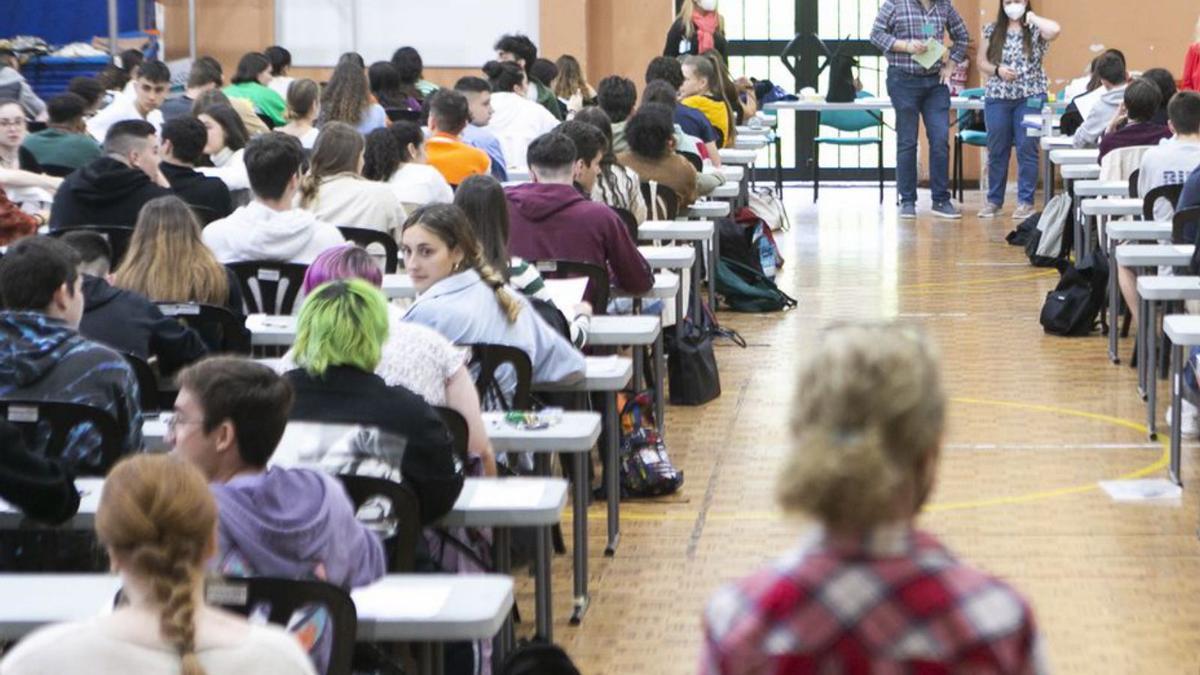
{"x": 1072, "y": 308}
{"x": 538, "y": 658}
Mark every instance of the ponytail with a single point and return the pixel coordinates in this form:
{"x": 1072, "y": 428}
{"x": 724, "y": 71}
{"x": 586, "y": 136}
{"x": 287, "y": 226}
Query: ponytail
{"x": 504, "y": 297}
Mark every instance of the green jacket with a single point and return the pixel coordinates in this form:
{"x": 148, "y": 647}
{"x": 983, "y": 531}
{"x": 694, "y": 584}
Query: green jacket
{"x": 266, "y": 101}
{"x": 56, "y": 147}
{"x": 547, "y": 99}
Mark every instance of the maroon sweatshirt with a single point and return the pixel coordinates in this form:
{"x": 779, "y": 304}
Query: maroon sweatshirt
{"x": 1133, "y": 134}
{"x": 556, "y": 222}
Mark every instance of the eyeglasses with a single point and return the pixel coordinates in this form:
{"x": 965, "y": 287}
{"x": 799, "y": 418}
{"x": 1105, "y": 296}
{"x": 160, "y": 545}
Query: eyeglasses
{"x": 18, "y": 122}
{"x": 173, "y": 421}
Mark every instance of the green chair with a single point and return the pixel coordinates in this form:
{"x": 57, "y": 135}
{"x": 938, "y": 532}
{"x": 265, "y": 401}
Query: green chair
{"x": 850, "y": 121}
{"x": 966, "y": 136}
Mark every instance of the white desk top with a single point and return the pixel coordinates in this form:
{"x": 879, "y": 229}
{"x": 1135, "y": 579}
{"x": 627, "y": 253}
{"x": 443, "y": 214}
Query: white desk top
{"x": 732, "y": 172}
{"x": 739, "y": 157}
{"x": 716, "y": 209}
{"x": 669, "y": 257}
{"x": 1183, "y": 329}
{"x": 1138, "y": 229}
{"x": 623, "y": 331}
{"x": 526, "y": 501}
{"x": 1168, "y": 288}
{"x": 750, "y": 142}
{"x": 604, "y": 373}
{"x": 1114, "y": 206}
{"x": 1102, "y": 188}
{"x": 1055, "y": 142}
{"x": 677, "y": 230}
{"x": 398, "y": 285}
{"x": 1154, "y": 255}
{"x": 277, "y": 331}
{"x": 728, "y": 190}
{"x": 1080, "y": 171}
{"x": 576, "y": 432}
{"x": 666, "y": 285}
{"x": 1066, "y": 156}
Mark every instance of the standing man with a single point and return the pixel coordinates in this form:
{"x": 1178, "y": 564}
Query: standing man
{"x": 902, "y": 31}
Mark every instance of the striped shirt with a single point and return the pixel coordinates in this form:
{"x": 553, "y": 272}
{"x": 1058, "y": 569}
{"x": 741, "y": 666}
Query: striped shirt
{"x": 910, "y": 20}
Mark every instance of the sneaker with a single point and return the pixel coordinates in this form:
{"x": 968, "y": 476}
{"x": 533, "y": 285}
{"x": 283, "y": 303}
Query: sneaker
{"x": 989, "y": 211}
{"x": 1189, "y": 425}
{"x": 1023, "y": 212}
{"x": 908, "y": 210}
{"x": 946, "y": 210}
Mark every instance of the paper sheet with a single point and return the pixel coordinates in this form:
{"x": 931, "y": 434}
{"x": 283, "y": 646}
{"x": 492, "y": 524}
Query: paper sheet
{"x": 932, "y": 54}
{"x": 1147, "y": 489}
{"x": 1087, "y": 102}
{"x": 385, "y": 602}
{"x": 491, "y": 494}
{"x": 566, "y": 293}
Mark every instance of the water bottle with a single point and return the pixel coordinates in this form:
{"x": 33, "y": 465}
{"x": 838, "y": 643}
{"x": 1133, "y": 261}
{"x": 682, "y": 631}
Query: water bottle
{"x": 1047, "y": 119}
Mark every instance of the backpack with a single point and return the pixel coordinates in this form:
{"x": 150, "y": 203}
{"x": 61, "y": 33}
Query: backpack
{"x": 1048, "y": 246}
{"x": 538, "y": 658}
{"x": 646, "y": 470}
{"x": 746, "y": 289}
{"x": 1020, "y": 236}
{"x": 770, "y": 210}
{"x": 1072, "y": 308}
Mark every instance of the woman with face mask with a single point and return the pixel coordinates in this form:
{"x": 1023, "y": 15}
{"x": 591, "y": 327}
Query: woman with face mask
{"x": 1010, "y": 58}
{"x": 698, "y": 28}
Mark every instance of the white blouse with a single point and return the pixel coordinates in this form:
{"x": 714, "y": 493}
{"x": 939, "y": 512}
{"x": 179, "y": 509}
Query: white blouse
{"x": 421, "y": 184}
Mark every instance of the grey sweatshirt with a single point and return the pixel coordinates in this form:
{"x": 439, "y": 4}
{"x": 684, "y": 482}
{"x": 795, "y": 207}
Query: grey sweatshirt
{"x": 14, "y": 86}
{"x": 1088, "y": 134}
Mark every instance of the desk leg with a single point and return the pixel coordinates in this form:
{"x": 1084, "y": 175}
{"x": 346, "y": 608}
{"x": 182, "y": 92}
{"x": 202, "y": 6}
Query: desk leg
{"x": 1114, "y": 302}
{"x": 1048, "y": 185}
{"x": 612, "y": 461}
{"x": 1141, "y": 349}
{"x": 1078, "y": 228}
{"x": 1176, "y": 412}
{"x": 438, "y": 652}
{"x": 660, "y": 371}
{"x": 544, "y": 609}
{"x": 1151, "y": 308}
{"x": 579, "y": 507}
{"x": 697, "y": 284}
{"x": 425, "y": 658}
{"x": 638, "y": 365}
{"x": 502, "y": 557}
{"x": 714, "y": 255}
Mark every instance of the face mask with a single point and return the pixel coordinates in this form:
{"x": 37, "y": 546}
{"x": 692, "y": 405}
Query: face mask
{"x": 706, "y": 5}
{"x": 1016, "y": 11}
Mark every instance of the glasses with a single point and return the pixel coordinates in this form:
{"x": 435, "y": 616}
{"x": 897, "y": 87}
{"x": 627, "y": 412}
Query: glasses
{"x": 18, "y": 122}
{"x": 174, "y": 421}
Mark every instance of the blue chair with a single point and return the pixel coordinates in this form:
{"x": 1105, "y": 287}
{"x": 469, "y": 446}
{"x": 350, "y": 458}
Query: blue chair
{"x": 849, "y": 121}
{"x": 966, "y": 136}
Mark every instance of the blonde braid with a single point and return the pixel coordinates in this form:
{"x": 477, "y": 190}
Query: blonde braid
{"x": 310, "y": 186}
{"x": 508, "y": 303}
{"x": 172, "y": 573}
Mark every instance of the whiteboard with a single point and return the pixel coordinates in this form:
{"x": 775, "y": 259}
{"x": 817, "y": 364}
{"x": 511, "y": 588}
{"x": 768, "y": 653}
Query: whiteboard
{"x": 448, "y": 33}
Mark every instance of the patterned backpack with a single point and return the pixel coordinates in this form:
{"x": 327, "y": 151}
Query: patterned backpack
{"x": 646, "y": 471}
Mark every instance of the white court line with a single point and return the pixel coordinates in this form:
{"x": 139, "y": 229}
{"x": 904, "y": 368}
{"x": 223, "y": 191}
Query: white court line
{"x": 1057, "y": 446}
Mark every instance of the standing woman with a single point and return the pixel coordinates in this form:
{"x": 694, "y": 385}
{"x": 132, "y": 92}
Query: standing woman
{"x": 1191, "y": 64}
{"x": 1010, "y": 57}
{"x": 698, "y": 28}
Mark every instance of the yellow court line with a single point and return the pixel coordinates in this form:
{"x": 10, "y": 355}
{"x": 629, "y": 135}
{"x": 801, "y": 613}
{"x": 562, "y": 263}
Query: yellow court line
{"x": 980, "y": 282}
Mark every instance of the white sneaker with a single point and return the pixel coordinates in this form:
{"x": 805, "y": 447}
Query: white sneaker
{"x": 1189, "y": 425}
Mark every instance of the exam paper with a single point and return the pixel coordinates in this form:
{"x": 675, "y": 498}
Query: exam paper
{"x": 934, "y": 52}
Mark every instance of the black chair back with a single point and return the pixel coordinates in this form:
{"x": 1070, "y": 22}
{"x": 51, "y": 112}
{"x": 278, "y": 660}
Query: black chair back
{"x": 598, "y": 288}
{"x": 489, "y": 363}
{"x": 363, "y": 237}
{"x": 629, "y": 219}
{"x": 457, "y": 425}
{"x": 62, "y": 418}
{"x": 401, "y": 547}
{"x": 147, "y": 381}
{"x": 1185, "y": 227}
{"x": 222, "y": 331}
{"x": 1168, "y": 192}
{"x": 666, "y": 206}
{"x": 118, "y": 237}
{"x": 694, "y": 160}
{"x": 284, "y": 597}
{"x": 1133, "y": 182}
{"x": 269, "y": 287}
{"x": 403, "y": 115}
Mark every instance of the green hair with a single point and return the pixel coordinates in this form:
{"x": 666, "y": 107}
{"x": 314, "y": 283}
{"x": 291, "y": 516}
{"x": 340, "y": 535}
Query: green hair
{"x": 342, "y": 323}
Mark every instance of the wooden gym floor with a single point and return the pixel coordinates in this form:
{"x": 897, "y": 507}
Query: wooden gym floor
{"x": 1035, "y": 422}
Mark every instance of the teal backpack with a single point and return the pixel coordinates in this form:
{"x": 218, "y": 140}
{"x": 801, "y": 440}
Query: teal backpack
{"x": 745, "y": 289}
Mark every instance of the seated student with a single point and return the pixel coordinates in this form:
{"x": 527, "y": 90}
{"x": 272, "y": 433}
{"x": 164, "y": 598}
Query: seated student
{"x": 1134, "y": 123}
{"x": 551, "y": 220}
{"x": 1110, "y": 69}
{"x": 65, "y": 141}
{"x": 449, "y": 114}
{"x": 1190, "y": 196}
{"x": 250, "y": 82}
{"x": 616, "y": 185}
{"x": 571, "y": 85}
{"x": 150, "y": 89}
{"x": 867, "y": 427}
{"x": 294, "y": 523}
{"x": 387, "y": 89}
{"x": 270, "y": 227}
{"x": 120, "y": 75}
{"x": 112, "y": 189}
{"x": 465, "y": 299}
{"x": 516, "y": 120}
{"x": 651, "y": 133}
{"x": 124, "y": 320}
{"x": 520, "y": 50}
{"x": 90, "y": 90}
{"x": 396, "y": 156}
{"x": 408, "y": 63}
{"x": 347, "y": 98}
{"x": 701, "y": 90}
{"x": 479, "y": 101}
{"x": 303, "y": 109}
{"x": 413, "y": 357}
{"x": 205, "y": 75}
{"x": 1165, "y": 82}
{"x": 617, "y": 96}
{"x": 339, "y": 339}
{"x": 14, "y": 86}
{"x": 158, "y": 522}
{"x": 335, "y": 192}
{"x": 685, "y": 144}
{"x": 183, "y": 142}
{"x": 43, "y": 354}
{"x": 42, "y": 488}
{"x": 252, "y": 123}
{"x": 691, "y": 121}
{"x": 225, "y": 146}
{"x": 739, "y": 95}
{"x": 281, "y": 61}
{"x": 20, "y": 173}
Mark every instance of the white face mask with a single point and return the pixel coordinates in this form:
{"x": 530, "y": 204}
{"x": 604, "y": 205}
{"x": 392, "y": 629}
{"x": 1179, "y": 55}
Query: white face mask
{"x": 706, "y": 5}
{"x": 1014, "y": 11}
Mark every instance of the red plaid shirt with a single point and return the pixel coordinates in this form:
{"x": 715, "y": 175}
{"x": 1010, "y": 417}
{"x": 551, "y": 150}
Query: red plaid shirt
{"x": 895, "y": 602}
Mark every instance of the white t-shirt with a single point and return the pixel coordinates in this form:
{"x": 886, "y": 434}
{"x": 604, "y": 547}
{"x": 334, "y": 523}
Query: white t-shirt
{"x": 421, "y": 184}
{"x": 516, "y": 121}
{"x": 1168, "y": 163}
{"x": 86, "y": 646}
{"x": 122, "y": 108}
{"x": 280, "y": 85}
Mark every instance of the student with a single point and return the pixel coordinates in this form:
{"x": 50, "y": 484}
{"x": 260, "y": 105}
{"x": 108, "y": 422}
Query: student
{"x": 1110, "y": 68}
{"x": 281, "y": 61}
{"x": 339, "y": 339}
{"x": 250, "y": 82}
{"x": 18, "y": 167}
{"x": 303, "y": 109}
{"x": 183, "y": 142}
{"x": 571, "y": 86}
{"x": 462, "y": 297}
{"x": 1165, "y": 82}
{"x": 150, "y": 89}
{"x": 65, "y": 142}
{"x": 520, "y": 50}
{"x": 738, "y": 95}
{"x": 699, "y": 91}
{"x": 652, "y": 155}
{"x": 205, "y": 75}
{"x": 1010, "y": 57}
{"x": 479, "y": 102}
{"x": 618, "y": 186}
{"x": 396, "y": 156}
{"x": 212, "y": 96}
{"x": 1191, "y": 63}
{"x": 119, "y": 76}
{"x": 90, "y": 90}
{"x": 902, "y": 29}
{"x": 1134, "y": 123}
{"x": 408, "y": 63}
{"x": 111, "y": 190}
{"x": 616, "y": 97}
{"x": 14, "y": 86}
{"x": 335, "y": 191}
{"x": 551, "y": 220}
{"x": 516, "y": 120}
{"x": 448, "y": 116}
{"x": 41, "y": 293}
{"x": 388, "y": 90}
{"x": 124, "y": 320}
{"x": 867, "y": 429}
{"x": 42, "y": 488}
{"x": 158, "y": 522}
{"x": 225, "y": 146}
{"x": 698, "y": 28}
{"x": 691, "y": 121}
{"x": 270, "y": 227}
{"x": 347, "y": 98}
{"x": 1190, "y": 196}
{"x": 663, "y": 93}
{"x": 413, "y": 357}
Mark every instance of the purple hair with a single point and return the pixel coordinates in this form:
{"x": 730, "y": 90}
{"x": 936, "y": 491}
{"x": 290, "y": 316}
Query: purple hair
{"x": 342, "y": 262}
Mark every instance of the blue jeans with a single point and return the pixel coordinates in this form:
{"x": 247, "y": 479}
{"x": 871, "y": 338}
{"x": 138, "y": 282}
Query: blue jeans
{"x": 1005, "y": 129}
{"x": 914, "y": 97}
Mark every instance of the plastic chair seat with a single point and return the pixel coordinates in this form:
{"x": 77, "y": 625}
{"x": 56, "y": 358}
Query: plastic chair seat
{"x": 971, "y": 137}
{"x": 847, "y": 140}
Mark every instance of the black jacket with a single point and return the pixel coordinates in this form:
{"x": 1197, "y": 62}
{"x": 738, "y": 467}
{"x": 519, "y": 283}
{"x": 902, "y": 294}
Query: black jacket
{"x": 208, "y": 196}
{"x": 676, "y": 38}
{"x": 130, "y": 323}
{"x": 105, "y": 192}
{"x": 347, "y": 395}
{"x": 42, "y": 488}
